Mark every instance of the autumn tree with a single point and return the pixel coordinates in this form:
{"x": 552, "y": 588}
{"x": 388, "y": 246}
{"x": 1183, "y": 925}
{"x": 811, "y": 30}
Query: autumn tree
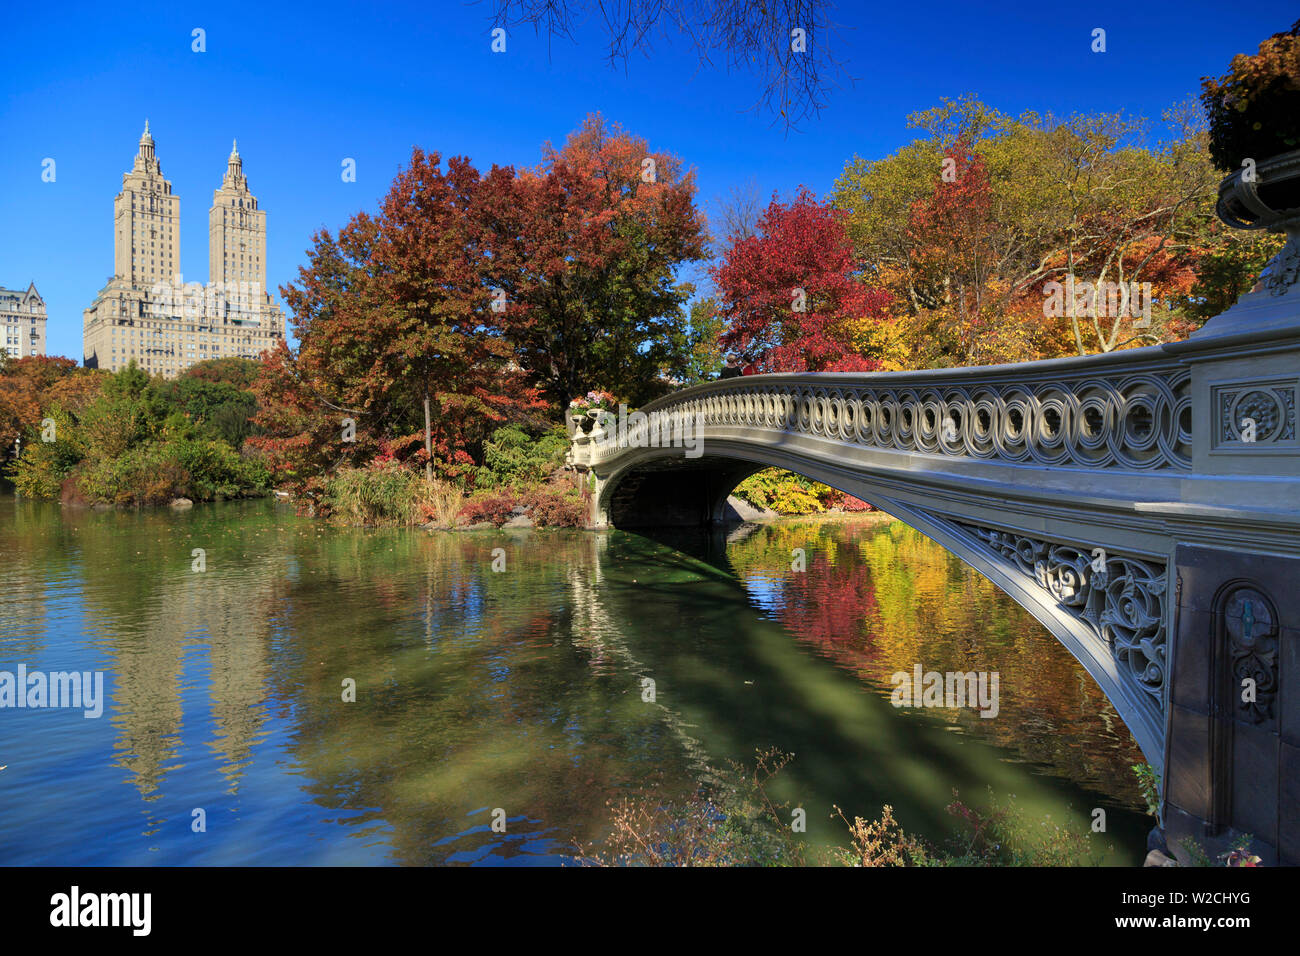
{"x": 789, "y": 296}
{"x": 585, "y": 251}
{"x": 33, "y": 386}
{"x": 393, "y": 313}
{"x": 1100, "y": 198}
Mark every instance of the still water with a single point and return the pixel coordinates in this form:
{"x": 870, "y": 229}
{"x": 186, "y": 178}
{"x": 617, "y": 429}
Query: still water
{"x": 519, "y": 689}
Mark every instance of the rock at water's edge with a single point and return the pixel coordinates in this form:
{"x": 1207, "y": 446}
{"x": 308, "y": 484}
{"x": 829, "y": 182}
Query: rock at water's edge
{"x": 744, "y": 511}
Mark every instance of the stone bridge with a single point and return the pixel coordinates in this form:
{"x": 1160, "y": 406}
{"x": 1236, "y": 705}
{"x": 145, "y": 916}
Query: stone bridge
{"x": 1144, "y": 505}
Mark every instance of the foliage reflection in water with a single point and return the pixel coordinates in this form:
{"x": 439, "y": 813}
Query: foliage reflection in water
{"x": 520, "y": 690}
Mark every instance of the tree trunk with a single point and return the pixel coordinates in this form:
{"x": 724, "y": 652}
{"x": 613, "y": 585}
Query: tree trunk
{"x": 428, "y": 443}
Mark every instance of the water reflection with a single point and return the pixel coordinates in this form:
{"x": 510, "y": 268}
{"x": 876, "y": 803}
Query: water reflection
{"x": 520, "y": 690}
{"x": 882, "y": 600}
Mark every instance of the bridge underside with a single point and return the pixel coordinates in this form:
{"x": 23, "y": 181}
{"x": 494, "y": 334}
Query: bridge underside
{"x": 1112, "y": 622}
{"x": 675, "y": 492}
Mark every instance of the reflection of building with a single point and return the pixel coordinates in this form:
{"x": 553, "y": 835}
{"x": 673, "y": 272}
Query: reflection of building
{"x": 184, "y": 643}
{"x": 22, "y": 316}
{"x": 146, "y": 313}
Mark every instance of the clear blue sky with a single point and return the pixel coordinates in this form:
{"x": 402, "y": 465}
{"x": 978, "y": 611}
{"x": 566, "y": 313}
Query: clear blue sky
{"x": 304, "y": 86}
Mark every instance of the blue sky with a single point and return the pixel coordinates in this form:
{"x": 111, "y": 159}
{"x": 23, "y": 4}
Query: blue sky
{"x": 303, "y": 87}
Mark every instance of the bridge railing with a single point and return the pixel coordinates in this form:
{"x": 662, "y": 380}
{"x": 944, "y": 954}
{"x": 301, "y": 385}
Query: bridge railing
{"x": 1129, "y": 410}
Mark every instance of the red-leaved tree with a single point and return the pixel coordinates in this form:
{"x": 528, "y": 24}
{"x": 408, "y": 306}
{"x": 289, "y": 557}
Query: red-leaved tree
{"x": 586, "y": 251}
{"x": 789, "y": 294}
{"x": 394, "y": 312}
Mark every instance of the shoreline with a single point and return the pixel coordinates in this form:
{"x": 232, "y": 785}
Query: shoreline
{"x": 745, "y": 514}
{"x": 754, "y": 519}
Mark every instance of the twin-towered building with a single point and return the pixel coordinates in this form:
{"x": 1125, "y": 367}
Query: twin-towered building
{"x": 146, "y": 313}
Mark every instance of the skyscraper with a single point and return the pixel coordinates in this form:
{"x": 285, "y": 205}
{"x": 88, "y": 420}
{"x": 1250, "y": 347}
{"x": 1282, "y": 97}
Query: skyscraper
{"x": 146, "y": 312}
{"x": 236, "y": 229}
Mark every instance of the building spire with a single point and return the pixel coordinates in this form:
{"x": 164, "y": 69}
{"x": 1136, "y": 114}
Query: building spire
{"x": 146, "y": 157}
{"x": 234, "y": 178}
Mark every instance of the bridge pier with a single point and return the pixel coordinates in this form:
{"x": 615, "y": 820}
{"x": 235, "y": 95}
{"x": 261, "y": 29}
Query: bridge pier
{"x": 1233, "y": 741}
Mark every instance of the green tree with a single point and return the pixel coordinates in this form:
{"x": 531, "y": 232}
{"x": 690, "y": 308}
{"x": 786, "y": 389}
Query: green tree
{"x": 217, "y": 398}
{"x": 697, "y": 344}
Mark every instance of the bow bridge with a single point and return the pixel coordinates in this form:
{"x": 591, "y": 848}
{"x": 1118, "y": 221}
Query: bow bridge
{"x": 1143, "y": 505}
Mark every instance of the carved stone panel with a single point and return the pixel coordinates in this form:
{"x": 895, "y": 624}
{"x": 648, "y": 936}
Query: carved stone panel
{"x": 1250, "y": 416}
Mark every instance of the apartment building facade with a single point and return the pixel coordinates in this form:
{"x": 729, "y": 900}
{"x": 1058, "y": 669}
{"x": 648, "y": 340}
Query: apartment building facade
{"x": 146, "y": 312}
{"x": 22, "y": 318}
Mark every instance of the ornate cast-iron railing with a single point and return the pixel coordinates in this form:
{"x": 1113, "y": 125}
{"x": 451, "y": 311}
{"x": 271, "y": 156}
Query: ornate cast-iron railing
{"x": 1121, "y": 416}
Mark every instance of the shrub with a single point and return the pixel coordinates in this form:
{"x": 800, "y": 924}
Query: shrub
{"x": 495, "y": 506}
{"x": 881, "y": 842}
{"x": 128, "y": 445}
{"x": 733, "y": 822}
{"x": 40, "y": 471}
{"x": 782, "y": 492}
{"x": 555, "y": 508}
{"x": 512, "y": 457}
{"x": 789, "y": 494}
{"x": 218, "y": 471}
{"x": 148, "y": 474}
{"x": 157, "y": 472}
{"x": 1003, "y": 835}
{"x": 796, "y": 498}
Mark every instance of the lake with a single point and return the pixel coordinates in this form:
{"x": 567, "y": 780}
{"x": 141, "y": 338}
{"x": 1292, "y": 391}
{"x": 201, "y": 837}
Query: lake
{"x": 539, "y": 674}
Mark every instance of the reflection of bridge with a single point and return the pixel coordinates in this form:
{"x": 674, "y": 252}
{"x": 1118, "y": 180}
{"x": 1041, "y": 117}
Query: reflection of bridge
{"x": 1143, "y": 505}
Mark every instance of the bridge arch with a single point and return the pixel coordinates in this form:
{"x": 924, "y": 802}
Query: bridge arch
{"x": 1086, "y": 610}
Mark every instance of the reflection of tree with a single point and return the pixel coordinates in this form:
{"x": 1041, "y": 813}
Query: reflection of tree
{"x": 522, "y": 699}
{"x": 521, "y": 689}
{"x": 880, "y": 600}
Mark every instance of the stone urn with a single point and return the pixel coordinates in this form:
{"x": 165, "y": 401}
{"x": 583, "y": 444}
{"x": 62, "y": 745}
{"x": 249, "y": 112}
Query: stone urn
{"x": 573, "y": 422}
{"x": 1264, "y": 196}
{"x": 596, "y": 427}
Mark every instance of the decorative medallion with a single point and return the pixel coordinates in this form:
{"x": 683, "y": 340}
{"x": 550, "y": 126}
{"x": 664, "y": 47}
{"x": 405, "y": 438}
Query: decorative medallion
{"x": 1251, "y": 630}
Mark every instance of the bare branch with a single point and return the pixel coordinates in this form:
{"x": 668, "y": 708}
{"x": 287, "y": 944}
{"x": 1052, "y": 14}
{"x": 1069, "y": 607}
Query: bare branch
{"x": 787, "y": 44}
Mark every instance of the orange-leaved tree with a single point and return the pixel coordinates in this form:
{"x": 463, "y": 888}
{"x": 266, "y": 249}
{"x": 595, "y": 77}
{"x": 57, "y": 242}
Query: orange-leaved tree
{"x": 394, "y": 312}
